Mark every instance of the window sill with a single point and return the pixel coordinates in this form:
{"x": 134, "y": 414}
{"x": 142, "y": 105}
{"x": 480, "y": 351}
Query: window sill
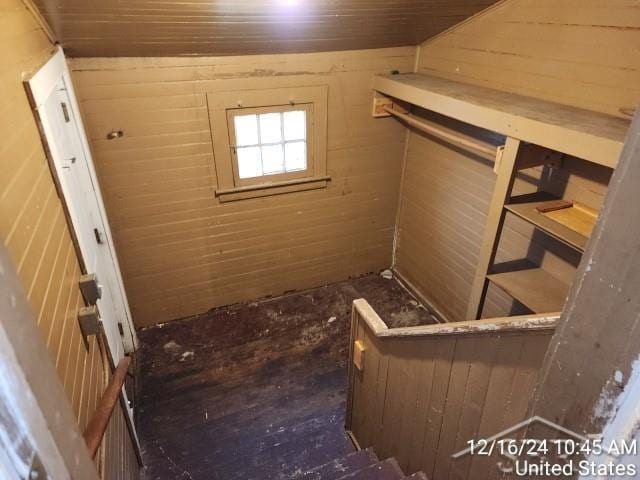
{"x": 269, "y": 189}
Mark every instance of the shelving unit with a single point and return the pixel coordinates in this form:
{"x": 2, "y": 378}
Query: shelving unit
{"x": 566, "y": 229}
{"x": 537, "y": 133}
{"x": 535, "y": 288}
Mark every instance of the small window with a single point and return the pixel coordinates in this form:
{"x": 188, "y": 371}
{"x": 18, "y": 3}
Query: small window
{"x": 269, "y": 143}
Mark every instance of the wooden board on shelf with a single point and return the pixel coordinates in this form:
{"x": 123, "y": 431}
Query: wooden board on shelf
{"x": 592, "y": 136}
{"x": 577, "y": 217}
{"x": 569, "y": 225}
{"x": 535, "y": 288}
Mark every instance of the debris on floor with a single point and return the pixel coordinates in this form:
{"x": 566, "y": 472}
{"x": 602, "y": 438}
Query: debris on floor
{"x": 258, "y": 390}
{"x": 388, "y": 274}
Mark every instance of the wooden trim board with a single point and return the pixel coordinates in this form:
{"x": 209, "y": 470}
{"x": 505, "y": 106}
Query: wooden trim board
{"x": 545, "y": 321}
{"x": 585, "y": 134}
{"x": 493, "y": 226}
{"x": 276, "y": 188}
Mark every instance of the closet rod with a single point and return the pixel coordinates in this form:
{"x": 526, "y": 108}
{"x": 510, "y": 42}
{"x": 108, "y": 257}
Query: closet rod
{"x": 482, "y": 149}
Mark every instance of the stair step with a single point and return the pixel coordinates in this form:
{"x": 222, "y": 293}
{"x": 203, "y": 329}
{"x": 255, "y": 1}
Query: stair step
{"x": 386, "y": 470}
{"x": 340, "y": 467}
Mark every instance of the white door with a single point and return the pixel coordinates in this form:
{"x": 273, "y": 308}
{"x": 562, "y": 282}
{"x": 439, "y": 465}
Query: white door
{"x": 80, "y": 197}
{"x": 58, "y": 111}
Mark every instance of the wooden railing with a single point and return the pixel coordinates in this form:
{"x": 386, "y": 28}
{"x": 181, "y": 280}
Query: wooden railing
{"x": 420, "y": 393}
{"x": 100, "y": 419}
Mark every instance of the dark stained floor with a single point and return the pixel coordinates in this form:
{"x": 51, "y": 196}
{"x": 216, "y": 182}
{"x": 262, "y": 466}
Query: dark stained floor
{"x": 257, "y": 390}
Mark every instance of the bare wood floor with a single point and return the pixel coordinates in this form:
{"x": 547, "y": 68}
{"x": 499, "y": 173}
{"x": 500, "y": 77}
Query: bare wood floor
{"x": 258, "y": 390}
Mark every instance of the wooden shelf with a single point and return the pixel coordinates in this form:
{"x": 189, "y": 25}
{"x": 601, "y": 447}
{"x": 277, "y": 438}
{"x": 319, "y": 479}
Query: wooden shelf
{"x": 567, "y": 225}
{"x": 534, "y": 288}
{"x": 589, "y": 135}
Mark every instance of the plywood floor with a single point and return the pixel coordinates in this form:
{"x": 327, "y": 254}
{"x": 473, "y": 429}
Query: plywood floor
{"x": 255, "y": 391}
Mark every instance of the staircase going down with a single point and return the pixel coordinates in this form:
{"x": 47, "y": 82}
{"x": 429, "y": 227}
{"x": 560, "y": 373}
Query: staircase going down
{"x": 361, "y": 465}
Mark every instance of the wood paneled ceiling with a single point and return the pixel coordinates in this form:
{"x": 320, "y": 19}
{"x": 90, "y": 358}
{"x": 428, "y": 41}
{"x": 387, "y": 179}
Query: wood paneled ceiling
{"x": 90, "y": 28}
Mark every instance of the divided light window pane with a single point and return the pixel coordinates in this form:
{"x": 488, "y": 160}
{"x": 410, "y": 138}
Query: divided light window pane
{"x": 249, "y": 163}
{"x": 270, "y": 128}
{"x": 271, "y": 143}
{"x": 272, "y": 159}
{"x": 246, "y": 127}
{"x": 295, "y": 125}
{"x": 295, "y": 154}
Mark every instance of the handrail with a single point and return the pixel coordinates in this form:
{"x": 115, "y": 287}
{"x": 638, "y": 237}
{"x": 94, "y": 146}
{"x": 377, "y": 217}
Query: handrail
{"x": 544, "y": 321}
{"x": 478, "y": 147}
{"x": 100, "y": 419}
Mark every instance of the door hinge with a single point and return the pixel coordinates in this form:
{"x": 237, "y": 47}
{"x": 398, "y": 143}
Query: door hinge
{"x": 65, "y": 112}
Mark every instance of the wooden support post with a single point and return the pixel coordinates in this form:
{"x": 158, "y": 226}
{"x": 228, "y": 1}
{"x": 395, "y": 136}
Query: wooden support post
{"x": 493, "y": 226}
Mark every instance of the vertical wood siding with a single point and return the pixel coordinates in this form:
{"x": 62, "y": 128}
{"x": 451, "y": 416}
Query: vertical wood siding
{"x": 575, "y": 52}
{"x": 33, "y": 224}
{"x": 32, "y": 221}
{"x": 420, "y": 399}
{"x": 182, "y": 252}
{"x": 120, "y": 461}
{"x": 444, "y": 201}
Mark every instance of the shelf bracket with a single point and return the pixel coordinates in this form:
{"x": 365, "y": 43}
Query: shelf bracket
{"x": 534, "y": 156}
{"x": 381, "y": 103}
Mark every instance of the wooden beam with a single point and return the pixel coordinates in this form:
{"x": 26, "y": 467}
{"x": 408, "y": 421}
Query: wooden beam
{"x": 590, "y": 358}
{"x": 98, "y": 424}
{"x": 493, "y": 226}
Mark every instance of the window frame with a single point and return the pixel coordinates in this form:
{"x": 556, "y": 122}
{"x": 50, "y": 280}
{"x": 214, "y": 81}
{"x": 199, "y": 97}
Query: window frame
{"x": 276, "y": 177}
{"x": 224, "y": 100}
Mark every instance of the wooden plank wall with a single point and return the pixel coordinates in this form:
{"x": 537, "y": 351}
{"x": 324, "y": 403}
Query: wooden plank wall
{"x": 444, "y": 201}
{"x": 112, "y": 28}
{"x": 181, "y": 251}
{"x": 420, "y": 399}
{"x": 575, "y": 52}
{"x": 120, "y": 461}
{"x": 32, "y": 222}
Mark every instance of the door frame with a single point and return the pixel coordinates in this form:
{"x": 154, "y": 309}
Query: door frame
{"x": 39, "y": 87}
